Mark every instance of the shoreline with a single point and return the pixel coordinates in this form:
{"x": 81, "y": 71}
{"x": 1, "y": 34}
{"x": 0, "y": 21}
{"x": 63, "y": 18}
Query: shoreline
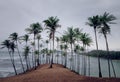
{"x": 56, "y": 74}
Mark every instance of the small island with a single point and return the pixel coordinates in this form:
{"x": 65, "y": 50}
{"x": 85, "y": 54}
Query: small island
{"x": 55, "y": 47}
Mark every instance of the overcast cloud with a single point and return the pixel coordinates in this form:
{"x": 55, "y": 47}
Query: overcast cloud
{"x": 16, "y": 15}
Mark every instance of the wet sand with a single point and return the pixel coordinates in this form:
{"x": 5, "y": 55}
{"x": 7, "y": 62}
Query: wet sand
{"x": 57, "y": 74}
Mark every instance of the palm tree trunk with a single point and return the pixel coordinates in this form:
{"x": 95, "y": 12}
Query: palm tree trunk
{"x": 71, "y": 57}
{"x": 88, "y": 65}
{"x": 38, "y": 52}
{"x": 99, "y": 67}
{"x": 107, "y": 48}
{"x": 52, "y": 52}
{"x": 32, "y": 58}
{"x": 113, "y": 68}
{"x": 84, "y": 62}
{"x": 12, "y": 62}
{"x": 27, "y": 63}
{"x": 57, "y": 53}
{"x": 34, "y": 52}
{"x": 20, "y": 57}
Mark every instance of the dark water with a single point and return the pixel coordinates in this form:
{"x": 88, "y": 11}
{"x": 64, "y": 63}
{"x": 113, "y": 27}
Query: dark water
{"x": 6, "y": 68}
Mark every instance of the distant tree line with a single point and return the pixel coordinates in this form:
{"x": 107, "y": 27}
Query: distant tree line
{"x": 103, "y": 54}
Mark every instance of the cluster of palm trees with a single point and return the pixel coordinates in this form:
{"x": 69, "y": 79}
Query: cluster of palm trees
{"x": 73, "y": 40}
{"x": 101, "y": 22}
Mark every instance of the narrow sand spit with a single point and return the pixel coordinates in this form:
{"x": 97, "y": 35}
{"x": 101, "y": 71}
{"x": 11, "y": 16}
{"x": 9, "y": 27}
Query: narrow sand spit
{"x": 57, "y": 74}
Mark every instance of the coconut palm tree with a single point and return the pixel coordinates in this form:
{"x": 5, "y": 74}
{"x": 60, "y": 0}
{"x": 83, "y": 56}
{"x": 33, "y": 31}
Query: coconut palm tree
{"x": 26, "y": 54}
{"x": 57, "y": 39}
{"x": 77, "y": 33}
{"x": 47, "y": 42}
{"x": 95, "y": 22}
{"x": 52, "y": 24}
{"x": 36, "y": 53}
{"x": 61, "y": 48}
{"x": 25, "y": 38}
{"x": 12, "y": 47}
{"x": 34, "y": 29}
{"x": 77, "y": 51}
{"x": 104, "y": 29}
{"x": 38, "y": 38}
{"x": 65, "y": 54}
{"x": 71, "y": 39}
{"x": 86, "y": 41}
{"x": 7, "y": 44}
{"x": 14, "y": 37}
{"x": 64, "y": 39}
{"x": 32, "y": 44}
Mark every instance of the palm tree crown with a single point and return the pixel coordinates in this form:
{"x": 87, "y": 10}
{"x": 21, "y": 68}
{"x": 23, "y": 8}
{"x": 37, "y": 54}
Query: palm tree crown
{"x": 5, "y": 43}
{"x": 35, "y": 28}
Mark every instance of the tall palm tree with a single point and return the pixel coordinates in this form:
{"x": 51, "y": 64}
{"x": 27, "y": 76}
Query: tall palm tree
{"x": 38, "y": 38}
{"x": 77, "y": 33}
{"x": 86, "y": 41}
{"x": 12, "y": 47}
{"x": 34, "y": 29}
{"x": 52, "y": 24}
{"x": 57, "y": 40}
{"x": 33, "y": 44}
{"x": 7, "y": 44}
{"x": 77, "y": 51}
{"x": 47, "y": 43}
{"x": 25, "y": 38}
{"x": 95, "y": 22}
{"x": 26, "y": 54}
{"x": 61, "y": 48}
{"x": 64, "y": 39}
{"x": 65, "y": 51}
{"x": 36, "y": 53}
{"x": 71, "y": 39}
{"x": 104, "y": 29}
{"x": 14, "y": 37}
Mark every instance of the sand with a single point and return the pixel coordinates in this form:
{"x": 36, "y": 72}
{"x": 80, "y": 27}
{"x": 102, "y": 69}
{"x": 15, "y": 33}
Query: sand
{"x": 57, "y": 74}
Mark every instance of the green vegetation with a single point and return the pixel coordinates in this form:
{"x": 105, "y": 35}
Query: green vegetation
{"x": 115, "y": 55}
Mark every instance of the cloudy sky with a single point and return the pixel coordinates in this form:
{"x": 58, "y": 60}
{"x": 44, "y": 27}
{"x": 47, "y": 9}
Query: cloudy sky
{"x": 16, "y": 15}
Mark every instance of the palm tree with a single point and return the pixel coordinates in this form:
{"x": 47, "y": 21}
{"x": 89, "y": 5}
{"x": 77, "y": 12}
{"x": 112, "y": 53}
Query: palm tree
{"x": 52, "y": 24}
{"x": 33, "y": 44}
{"x": 65, "y": 54}
{"x": 26, "y": 54}
{"x": 47, "y": 43}
{"x": 77, "y": 33}
{"x": 64, "y": 39}
{"x": 38, "y": 38}
{"x": 77, "y": 51}
{"x": 34, "y": 29}
{"x": 7, "y": 44}
{"x": 61, "y": 48}
{"x": 25, "y": 38}
{"x": 71, "y": 39}
{"x": 14, "y": 37}
{"x": 57, "y": 39}
{"x": 12, "y": 47}
{"x": 86, "y": 41}
{"x": 95, "y": 22}
{"x": 104, "y": 29}
{"x": 36, "y": 53}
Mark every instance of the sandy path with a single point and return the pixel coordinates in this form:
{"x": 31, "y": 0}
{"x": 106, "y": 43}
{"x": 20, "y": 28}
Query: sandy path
{"x": 56, "y": 74}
